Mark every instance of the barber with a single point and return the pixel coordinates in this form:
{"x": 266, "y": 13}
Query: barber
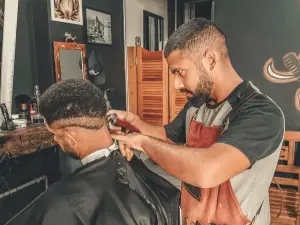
{"x": 224, "y": 144}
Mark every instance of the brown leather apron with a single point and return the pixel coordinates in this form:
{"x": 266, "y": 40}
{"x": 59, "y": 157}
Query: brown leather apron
{"x": 205, "y": 206}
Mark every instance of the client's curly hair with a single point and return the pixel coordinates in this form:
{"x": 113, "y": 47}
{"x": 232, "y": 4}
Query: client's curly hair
{"x": 73, "y": 102}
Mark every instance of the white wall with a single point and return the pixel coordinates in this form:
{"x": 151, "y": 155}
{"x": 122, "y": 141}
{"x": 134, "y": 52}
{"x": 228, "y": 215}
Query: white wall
{"x": 134, "y": 17}
{"x": 8, "y": 52}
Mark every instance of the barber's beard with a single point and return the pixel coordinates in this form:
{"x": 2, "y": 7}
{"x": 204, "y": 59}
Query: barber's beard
{"x": 203, "y": 90}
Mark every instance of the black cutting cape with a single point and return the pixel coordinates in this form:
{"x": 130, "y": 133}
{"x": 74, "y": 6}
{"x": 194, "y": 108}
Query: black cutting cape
{"x": 108, "y": 191}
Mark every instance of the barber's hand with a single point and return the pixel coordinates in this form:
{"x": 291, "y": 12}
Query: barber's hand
{"x": 126, "y": 151}
{"x": 129, "y": 142}
{"x": 126, "y": 116}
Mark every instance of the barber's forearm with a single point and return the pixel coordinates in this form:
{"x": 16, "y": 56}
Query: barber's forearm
{"x": 155, "y": 131}
{"x": 182, "y": 162}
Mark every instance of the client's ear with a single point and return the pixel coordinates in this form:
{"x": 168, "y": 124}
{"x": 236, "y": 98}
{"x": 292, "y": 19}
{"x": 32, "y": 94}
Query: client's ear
{"x": 70, "y": 137}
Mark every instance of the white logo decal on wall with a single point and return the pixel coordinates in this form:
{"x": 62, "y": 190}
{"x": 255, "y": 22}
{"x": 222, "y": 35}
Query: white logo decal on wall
{"x": 291, "y": 62}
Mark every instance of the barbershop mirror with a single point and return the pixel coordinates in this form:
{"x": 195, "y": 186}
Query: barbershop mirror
{"x": 69, "y": 60}
{"x": 153, "y": 32}
{"x": 70, "y": 64}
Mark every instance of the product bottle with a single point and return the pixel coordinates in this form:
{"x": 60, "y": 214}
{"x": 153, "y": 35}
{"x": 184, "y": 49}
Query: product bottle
{"x": 34, "y": 110}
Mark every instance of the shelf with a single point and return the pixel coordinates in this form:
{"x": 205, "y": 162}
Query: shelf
{"x": 25, "y": 141}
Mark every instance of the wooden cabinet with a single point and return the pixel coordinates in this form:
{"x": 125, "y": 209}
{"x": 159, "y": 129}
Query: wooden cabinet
{"x": 151, "y": 88}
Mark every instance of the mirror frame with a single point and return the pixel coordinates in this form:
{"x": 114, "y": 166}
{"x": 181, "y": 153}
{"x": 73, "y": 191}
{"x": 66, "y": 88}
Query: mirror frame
{"x": 69, "y": 46}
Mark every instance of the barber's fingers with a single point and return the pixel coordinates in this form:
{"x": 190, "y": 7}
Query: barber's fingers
{"x": 115, "y": 129}
{"x": 123, "y": 115}
{"x": 122, "y": 148}
{"x": 132, "y": 140}
{"x": 129, "y": 153}
{"x": 120, "y": 114}
{"x": 121, "y": 138}
{"x": 125, "y": 151}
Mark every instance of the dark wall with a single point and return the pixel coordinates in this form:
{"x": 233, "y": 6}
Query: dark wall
{"x": 36, "y": 33}
{"x": 172, "y": 22}
{"x": 41, "y": 43}
{"x": 257, "y": 30}
{"x": 113, "y": 56}
{"x": 25, "y": 75}
{"x": 171, "y": 17}
{"x": 203, "y": 9}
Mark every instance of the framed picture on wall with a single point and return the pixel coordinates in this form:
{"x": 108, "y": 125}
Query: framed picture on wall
{"x": 98, "y": 27}
{"x": 67, "y": 11}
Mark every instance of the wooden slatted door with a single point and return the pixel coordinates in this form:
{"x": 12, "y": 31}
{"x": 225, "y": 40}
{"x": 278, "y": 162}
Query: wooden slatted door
{"x": 152, "y": 71}
{"x": 148, "y": 85}
{"x": 177, "y": 100}
{"x": 151, "y": 92}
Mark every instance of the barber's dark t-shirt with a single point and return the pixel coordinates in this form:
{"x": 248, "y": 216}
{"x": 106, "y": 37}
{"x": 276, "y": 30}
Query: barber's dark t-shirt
{"x": 256, "y": 129}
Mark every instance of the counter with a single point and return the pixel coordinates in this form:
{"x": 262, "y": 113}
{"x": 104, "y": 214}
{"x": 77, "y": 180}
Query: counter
{"x": 23, "y": 141}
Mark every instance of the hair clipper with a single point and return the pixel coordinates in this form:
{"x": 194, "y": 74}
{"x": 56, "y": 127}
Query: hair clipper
{"x": 125, "y": 127}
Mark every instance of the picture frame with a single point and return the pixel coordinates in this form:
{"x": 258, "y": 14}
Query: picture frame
{"x": 98, "y": 27}
{"x": 67, "y": 11}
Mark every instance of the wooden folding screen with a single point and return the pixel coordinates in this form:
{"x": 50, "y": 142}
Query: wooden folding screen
{"x": 151, "y": 95}
{"x": 148, "y": 85}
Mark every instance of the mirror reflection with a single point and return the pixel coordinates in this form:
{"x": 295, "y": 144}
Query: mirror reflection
{"x": 69, "y": 60}
{"x": 70, "y": 64}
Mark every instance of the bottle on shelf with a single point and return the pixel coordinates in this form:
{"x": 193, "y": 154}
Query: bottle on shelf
{"x": 34, "y": 107}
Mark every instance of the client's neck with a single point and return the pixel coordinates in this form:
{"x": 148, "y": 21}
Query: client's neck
{"x": 96, "y": 140}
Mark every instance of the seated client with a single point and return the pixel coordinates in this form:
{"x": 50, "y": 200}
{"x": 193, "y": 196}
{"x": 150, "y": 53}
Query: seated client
{"x": 106, "y": 190}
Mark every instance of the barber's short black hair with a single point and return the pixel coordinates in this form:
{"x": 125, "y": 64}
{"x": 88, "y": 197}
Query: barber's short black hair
{"x": 76, "y": 102}
{"x": 195, "y": 35}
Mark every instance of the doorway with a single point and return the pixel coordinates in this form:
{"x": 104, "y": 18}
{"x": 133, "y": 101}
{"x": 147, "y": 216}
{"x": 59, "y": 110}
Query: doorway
{"x": 153, "y": 32}
{"x": 199, "y": 9}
